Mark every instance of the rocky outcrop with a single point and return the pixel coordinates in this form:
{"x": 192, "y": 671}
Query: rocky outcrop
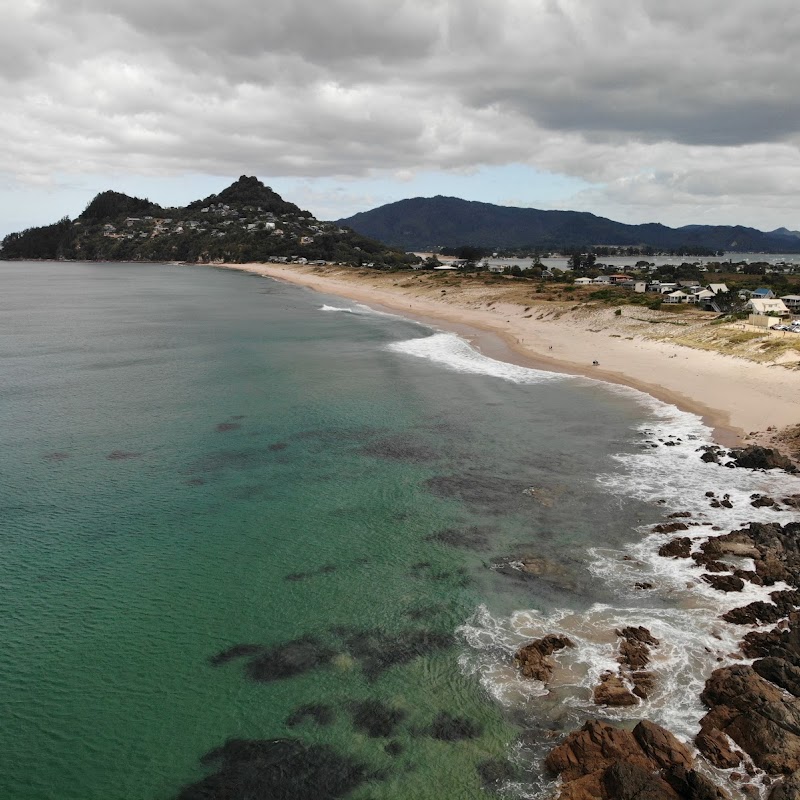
{"x": 750, "y": 457}
{"x": 677, "y": 548}
{"x": 725, "y": 583}
{"x": 716, "y": 747}
{"x": 601, "y": 762}
{"x": 670, "y": 527}
{"x": 756, "y": 715}
{"x": 631, "y": 682}
{"x": 613, "y": 691}
{"x": 754, "y": 457}
{"x": 787, "y": 789}
{"x": 533, "y": 660}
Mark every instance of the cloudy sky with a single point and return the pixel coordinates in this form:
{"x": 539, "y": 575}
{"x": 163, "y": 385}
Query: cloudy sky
{"x": 680, "y": 112}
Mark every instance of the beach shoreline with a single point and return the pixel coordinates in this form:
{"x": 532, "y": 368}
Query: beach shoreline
{"x": 739, "y": 400}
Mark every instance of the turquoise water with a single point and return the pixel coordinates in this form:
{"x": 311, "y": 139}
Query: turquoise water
{"x": 194, "y": 459}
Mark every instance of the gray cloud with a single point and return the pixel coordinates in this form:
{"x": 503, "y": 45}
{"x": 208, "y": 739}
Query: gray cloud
{"x": 656, "y": 103}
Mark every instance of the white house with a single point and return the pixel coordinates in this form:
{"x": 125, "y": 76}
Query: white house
{"x": 677, "y": 297}
{"x": 791, "y": 301}
{"x": 582, "y": 281}
{"x": 767, "y": 307}
{"x": 605, "y": 280}
{"x": 704, "y": 296}
{"x": 717, "y": 288}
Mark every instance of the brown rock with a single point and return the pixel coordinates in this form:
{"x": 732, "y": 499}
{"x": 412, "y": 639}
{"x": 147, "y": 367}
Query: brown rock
{"x": 780, "y": 672}
{"x": 753, "y": 613}
{"x": 787, "y": 789}
{"x": 643, "y": 683}
{"x": 756, "y": 715}
{"x": 638, "y": 634}
{"x": 600, "y": 762}
{"x": 613, "y": 691}
{"x": 533, "y": 660}
{"x": 762, "y": 501}
{"x": 711, "y": 564}
{"x": 724, "y": 583}
{"x": 714, "y": 745}
{"x": 692, "y": 785}
{"x": 754, "y": 457}
{"x": 676, "y": 548}
{"x": 670, "y": 527}
{"x": 626, "y": 781}
{"x": 596, "y": 746}
{"x": 661, "y": 746}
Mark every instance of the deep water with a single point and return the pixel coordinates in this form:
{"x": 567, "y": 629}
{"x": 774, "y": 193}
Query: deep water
{"x": 232, "y": 513}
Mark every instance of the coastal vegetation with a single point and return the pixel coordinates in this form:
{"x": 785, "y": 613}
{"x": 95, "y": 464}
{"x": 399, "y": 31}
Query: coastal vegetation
{"x": 247, "y": 221}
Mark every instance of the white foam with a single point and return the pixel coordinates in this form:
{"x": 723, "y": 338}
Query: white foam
{"x": 455, "y": 353}
{"x": 336, "y": 308}
{"x": 694, "y": 641}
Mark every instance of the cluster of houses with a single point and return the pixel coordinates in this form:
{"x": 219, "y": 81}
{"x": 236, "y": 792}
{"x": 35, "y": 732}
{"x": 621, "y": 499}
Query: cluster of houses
{"x": 219, "y": 220}
{"x": 687, "y": 291}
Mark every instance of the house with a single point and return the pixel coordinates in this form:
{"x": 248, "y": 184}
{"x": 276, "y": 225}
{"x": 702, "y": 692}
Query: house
{"x": 717, "y": 288}
{"x": 791, "y": 301}
{"x": 618, "y": 278}
{"x": 582, "y": 281}
{"x": 688, "y": 284}
{"x": 677, "y": 297}
{"x": 763, "y": 294}
{"x": 767, "y": 307}
{"x": 703, "y": 296}
{"x": 666, "y": 288}
{"x": 605, "y": 280}
{"x": 640, "y": 286}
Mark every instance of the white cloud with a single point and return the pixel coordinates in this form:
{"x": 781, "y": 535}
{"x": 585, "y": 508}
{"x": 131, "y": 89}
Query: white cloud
{"x": 670, "y": 109}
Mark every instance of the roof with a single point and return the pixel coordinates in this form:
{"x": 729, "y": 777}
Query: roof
{"x": 791, "y": 297}
{"x": 765, "y": 306}
{"x": 762, "y": 292}
{"x": 717, "y": 287}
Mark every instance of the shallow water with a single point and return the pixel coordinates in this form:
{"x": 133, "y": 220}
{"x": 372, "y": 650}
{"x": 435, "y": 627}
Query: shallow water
{"x": 195, "y": 460}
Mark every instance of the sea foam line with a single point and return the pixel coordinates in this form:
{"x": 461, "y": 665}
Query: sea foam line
{"x": 694, "y": 640}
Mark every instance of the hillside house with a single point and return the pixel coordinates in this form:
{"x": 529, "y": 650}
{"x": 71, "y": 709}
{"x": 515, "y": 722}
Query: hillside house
{"x": 618, "y": 278}
{"x": 602, "y": 280}
{"x": 582, "y": 281}
{"x": 791, "y": 301}
{"x": 763, "y": 294}
{"x": 717, "y": 288}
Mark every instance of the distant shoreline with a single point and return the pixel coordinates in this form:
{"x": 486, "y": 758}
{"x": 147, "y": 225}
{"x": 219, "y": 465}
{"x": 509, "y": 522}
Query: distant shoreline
{"x": 734, "y": 397}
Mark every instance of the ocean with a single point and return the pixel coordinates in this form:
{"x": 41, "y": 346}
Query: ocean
{"x": 238, "y": 511}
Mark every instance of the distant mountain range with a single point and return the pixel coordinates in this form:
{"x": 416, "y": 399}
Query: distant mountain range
{"x": 245, "y": 222}
{"x": 426, "y": 223}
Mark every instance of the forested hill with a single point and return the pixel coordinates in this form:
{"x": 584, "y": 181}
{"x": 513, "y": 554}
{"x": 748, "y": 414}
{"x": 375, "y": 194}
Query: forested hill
{"x": 248, "y": 221}
{"x": 425, "y": 223}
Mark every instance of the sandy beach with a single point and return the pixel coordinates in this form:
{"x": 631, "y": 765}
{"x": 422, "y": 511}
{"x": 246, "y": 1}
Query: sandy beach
{"x": 739, "y": 398}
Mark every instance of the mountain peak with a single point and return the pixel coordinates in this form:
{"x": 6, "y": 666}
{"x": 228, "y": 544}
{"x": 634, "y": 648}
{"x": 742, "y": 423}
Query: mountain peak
{"x": 111, "y": 204}
{"x": 248, "y": 190}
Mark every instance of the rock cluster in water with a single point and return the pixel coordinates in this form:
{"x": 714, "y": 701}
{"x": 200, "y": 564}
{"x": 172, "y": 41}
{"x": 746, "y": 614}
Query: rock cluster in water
{"x": 752, "y": 727}
{"x": 602, "y": 762}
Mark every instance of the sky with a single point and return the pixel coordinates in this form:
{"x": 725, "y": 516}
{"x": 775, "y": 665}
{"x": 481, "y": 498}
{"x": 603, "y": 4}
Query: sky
{"x": 681, "y": 112}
